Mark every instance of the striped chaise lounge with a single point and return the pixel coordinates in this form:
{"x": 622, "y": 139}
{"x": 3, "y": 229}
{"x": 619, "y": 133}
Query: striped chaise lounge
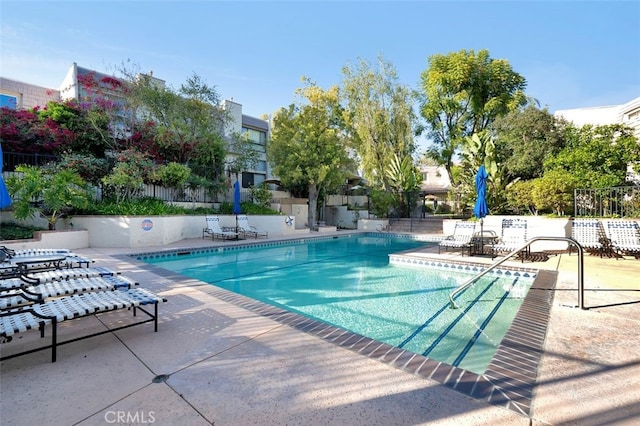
{"x": 460, "y": 239}
{"x": 52, "y": 312}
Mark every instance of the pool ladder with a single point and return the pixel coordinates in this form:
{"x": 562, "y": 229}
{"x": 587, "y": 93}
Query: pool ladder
{"x": 480, "y": 274}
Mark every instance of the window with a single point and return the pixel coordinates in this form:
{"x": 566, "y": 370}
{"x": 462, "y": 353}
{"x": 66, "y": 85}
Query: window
{"x": 256, "y": 136}
{"x": 8, "y": 101}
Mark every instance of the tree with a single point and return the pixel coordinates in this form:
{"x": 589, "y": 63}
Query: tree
{"x": 52, "y": 193}
{"x": 596, "y": 156}
{"x": 554, "y": 191}
{"x": 463, "y": 93}
{"x": 520, "y": 197}
{"x": 379, "y": 109}
{"x": 404, "y": 179}
{"x": 183, "y": 119}
{"x": 172, "y": 175}
{"x": 307, "y": 144}
{"x": 524, "y": 138}
{"x": 127, "y": 178}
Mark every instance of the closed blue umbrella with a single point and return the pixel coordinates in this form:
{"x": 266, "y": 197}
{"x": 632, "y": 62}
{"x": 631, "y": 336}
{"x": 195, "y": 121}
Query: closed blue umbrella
{"x": 236, "y": 198}
{"x": 480, "y": 209}
{"x": 236, "y": 202}
{"x": 5, "y": 198}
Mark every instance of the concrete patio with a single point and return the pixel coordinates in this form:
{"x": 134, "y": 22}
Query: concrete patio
{"x": 215, "y": 362}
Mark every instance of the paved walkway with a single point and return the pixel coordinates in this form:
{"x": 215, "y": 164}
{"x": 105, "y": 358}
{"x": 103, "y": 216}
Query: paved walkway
{"x": 214, "y": 362}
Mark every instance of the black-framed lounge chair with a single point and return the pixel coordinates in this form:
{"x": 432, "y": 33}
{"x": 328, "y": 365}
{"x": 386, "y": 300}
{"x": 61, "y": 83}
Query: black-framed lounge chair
{"x": 624, "y": 236}
{"x": 215, "y": 230}
{"x": 38, "y": 293}
{"x": 460, "y": 239}
{"x": 70, "y": 259}
{"x": 589, "y": 234}
{"x": 512, "y": 237}
{"x": 55, "y": 311}
{"x": 34, "y": 278}
{"x": 246, "y": 229}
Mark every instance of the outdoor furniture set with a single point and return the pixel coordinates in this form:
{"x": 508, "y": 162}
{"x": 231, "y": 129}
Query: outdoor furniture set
{"x": 40, "y": 294}
{"x": 242, "y": 229}
{"x": 618, "y": 238}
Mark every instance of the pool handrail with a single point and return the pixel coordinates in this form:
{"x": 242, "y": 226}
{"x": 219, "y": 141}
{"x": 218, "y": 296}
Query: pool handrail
{"x": 494, "y": 265}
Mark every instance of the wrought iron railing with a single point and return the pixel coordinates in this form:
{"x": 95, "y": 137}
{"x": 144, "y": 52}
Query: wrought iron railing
{"x": 618, "y": 201}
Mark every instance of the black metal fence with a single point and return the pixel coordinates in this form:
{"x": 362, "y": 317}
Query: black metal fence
{"x": 619, "y": 201}
{"x": 200, "y": 195}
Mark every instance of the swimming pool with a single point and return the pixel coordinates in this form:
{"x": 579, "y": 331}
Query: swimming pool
{"x": 348, "y": 282}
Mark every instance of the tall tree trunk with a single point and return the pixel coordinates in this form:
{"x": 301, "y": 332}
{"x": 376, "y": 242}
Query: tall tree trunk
{"x": 313, "y": 204}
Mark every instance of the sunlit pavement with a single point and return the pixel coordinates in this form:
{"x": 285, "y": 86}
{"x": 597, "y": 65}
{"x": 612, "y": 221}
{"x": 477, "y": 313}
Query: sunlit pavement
{"x": 216, "y": 362}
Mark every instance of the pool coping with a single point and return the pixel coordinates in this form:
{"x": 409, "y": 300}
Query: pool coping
{"x": 510, "y": 379}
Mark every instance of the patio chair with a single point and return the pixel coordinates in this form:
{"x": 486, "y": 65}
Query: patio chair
{"x": 246, "y": 229}
{"x": 461, "y": 238}
{"x": 56, "y": 275}
{"x": 588, "y": 233}
{"x": 38, "y": 293}
{"x": 53, "y": 312}
{"x": 624, "y": 236}
{"x": 512, "y": 237}
{"x": 215, "y": 230}
{"x": 71, "y": 260}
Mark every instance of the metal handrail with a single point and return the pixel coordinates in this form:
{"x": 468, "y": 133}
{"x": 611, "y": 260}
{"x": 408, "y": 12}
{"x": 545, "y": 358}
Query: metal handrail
{"x": 479, "y": 275}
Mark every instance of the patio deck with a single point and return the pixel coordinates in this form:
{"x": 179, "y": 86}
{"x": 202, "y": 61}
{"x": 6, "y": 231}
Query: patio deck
{"x": 213, "y": 361}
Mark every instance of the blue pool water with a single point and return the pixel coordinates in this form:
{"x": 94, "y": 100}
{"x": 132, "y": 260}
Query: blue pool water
{"x": 348, "y": 282}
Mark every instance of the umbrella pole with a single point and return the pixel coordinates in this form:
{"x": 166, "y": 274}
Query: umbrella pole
{"x": 481, "y": 237}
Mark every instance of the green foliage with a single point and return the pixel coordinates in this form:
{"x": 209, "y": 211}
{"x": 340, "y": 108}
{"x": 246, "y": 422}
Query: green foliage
{"x": 520, "y": 197}
{"x": 127, "y": 178}
{"x": 172, "y": 175}
{"x": 307, "y": 143}
{"x": 183, "y": 119}
{"x": 146, "y": 206}
{"x": 525, "y": 138}
{"x": 53, "y": 194}
{"x": 13, "y": 231}
{"x": 382, "y": 202}
{"x": 477, "y": 150}
{"x": 404, "y": 179}
{"x": 90, "y": 168}
{"x": 379, "y": 112}
{"x": 596, "y": 156}
{"x": 257, "y": 209}
{"x": 554, "y": 191}
{"x": 90, "y": 126}
{"x": 261, "y": 194}
{"x": 463, "y": 93}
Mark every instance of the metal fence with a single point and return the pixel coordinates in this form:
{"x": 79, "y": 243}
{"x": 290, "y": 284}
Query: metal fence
{"x": 200, "y": 195}
{"x": 619, "y": 201}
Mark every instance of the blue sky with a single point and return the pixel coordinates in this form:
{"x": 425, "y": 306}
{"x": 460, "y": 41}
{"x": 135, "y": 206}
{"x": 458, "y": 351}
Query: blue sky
{"x": 573, "y": 54}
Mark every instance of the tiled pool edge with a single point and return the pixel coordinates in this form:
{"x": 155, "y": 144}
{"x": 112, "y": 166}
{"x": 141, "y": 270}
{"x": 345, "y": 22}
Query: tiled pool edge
{"x": 510, "y": 379}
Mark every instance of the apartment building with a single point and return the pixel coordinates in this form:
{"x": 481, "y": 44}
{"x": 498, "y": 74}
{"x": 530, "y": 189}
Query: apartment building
{"x": 22, "y": 95}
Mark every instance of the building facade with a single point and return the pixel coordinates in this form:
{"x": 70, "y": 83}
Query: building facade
{"x": 627, "y": 114}
{"x": 84, "y": 85}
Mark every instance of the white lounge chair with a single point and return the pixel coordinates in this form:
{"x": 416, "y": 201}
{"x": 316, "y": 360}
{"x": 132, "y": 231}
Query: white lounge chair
{"x": 38, "y": 293}
{"x": 215, "y": 230}
{"x": 588, "y": 233}
{"x": 624, "y": 236}
{"x": 52, "y": 312}
{"x": 70, "y": 260}
{"x": 56, "y": 275}
{"x": 247, "y": 230}
{"x": 513, "y": 237}
{"x": 461, "y": 238}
